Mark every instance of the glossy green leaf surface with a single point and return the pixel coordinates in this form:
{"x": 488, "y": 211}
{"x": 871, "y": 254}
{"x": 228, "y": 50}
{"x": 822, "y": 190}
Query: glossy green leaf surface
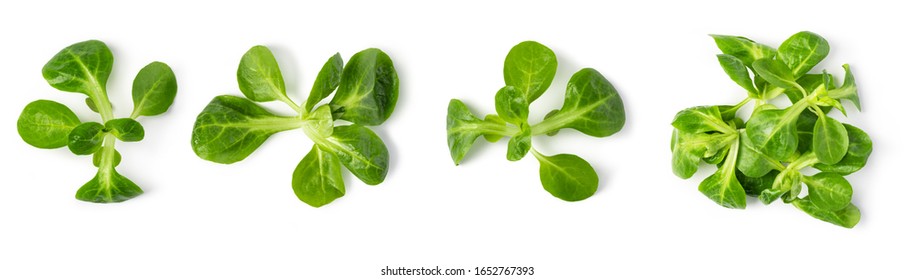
{"x": 83, "y": 67}
{"x": 530, "y": 68}
{"x": 361, "y": 151}
{"x": 230, "y": 128}
{"x": 849, "y": 90}
{"x": 567, "y": 177}
{"x": 859, "y": 149}
{"x": 591, "y": 105}
{"x": 752, "y": 161}
{"x": 46, "y": 124}
{"x": 774, "y": 132}
{"x": 754, "y": 186}
{"x": 690, "y": 148}
{"x": 737, "y": 71}
{"x": 802, "y": 51}
{"x": 368, "y": 89}
{"x": 742, "y": 48}
{"x": 126, "y": 129}
{"x": 317, "y": 179}
{"x": 98, "y": 156}
{"x": 86, "y": 138}
{"x": 259, "y": 76}
{"x": 775, "y": 72}
{"x": 154, "y": 90}
{"x": 519, "y": 145}
{"x": 722, "y": 187}
{"x": 512, "y": 105}
{"x": 830, "y": 140}
{"x": 463, "y": 129}
{"x": 828, "y": 191}
{"x": 108, "y": 186}
{"x": 700, "y": 119}
{"x": 846, "y": 217}
{"x": 327, "y": 81}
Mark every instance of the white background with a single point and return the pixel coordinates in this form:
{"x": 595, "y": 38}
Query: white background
{"x": 202, "y": 220}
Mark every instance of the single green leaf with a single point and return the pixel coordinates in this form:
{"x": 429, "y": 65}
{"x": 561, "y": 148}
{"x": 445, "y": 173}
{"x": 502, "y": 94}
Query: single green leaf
{"x": 46, "y": 124}
{"x": 91, "y": 105}
{"x": 828, "y": 191}
{"x": 463, "y": 129}
{"x": 567, "y": 177}
{"x": 361, "y": 151}
{"x": 86, "y": 138}
{"x": 259, "y": 76}
{"x": 317, "y": 179}
{"x": 327, "y": 81}
{"x": 99, "y": 155}
{"x": 768, "y": 196}
{"x": 751, "y": 160}
{"x": 754, "y": 186}
{"x": 742, "y": 48}
{"x": 368, "y": 89}
{"x": 320, "y": 122}
{"x": 154, "y": 90}
{"x": 849, "y": 90}
{"x": 230, "y": 128}
{"x": 802, "y": 51}
{"x": 830, "y": 140}
{"x": 126, "y": 129}
{"x": 591, "y": 106}
{"x": 805, "y": 123}
{"x": 774, "y": 131}
{"x": 846, "y": 217}
{"x": 775, "y": 72}
{"x": 512, "y": 106}
{"x": 496, "y": 120}
{"x": 701, "y": 119}
{"x": 530, "y": 67}
{"x": 83, "y": 67}
{"x": 859, "y": 149}
{"x": 108, "y": 186}
{"x": 520, "y": 144}
{"x": 737, "y": 71}
{"x": 723, "y": 187}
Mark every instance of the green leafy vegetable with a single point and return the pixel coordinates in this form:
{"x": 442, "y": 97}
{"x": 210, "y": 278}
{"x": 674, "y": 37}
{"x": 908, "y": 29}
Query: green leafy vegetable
{"x": 230, "y": 128}
{"x": 765, "y": 156}
{"x": 591, "y": 106}
{"x": 84, "y": 68}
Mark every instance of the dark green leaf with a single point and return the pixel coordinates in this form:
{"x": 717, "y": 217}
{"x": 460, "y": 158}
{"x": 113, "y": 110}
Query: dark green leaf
{"x": 154, "y": 90}
{"x": 567, "y": 177}
{"x": 828, "y": 191}
{"x": 259, "y": 77}
{"x": 802, "y": 51}
{"x": 91, "y": 105}
{"x": 108, "y": 186}
{"x": 46, "y": 124}
{"x": 361, "y": 151}
{"x": 744, "y": 49}
{"x": 591, "y": 106}
{"x": 754, "y": 186}
{"x": 530, "y": 67}
{"x": 230, "y": 128}
{"x": 751, "y": 161}
{"x": 520, "y": 144}
{"x": 86, "y": 138}
{"x": 830, "y": 140}
{"x": 368, "y": 89}
{"x": 859, "y": 149}
{"x": 126, "y": 129}
{"x": 775, "y": 72}
{"x": 738, "y": 72}
{"x": 317, "y": 179}
{"x": 846, "y": 217}
{"x": 774, "y": 131}
{"x": 83, "y": 67}
{"x": 512, "y": 106}
{"x": 326, "y": 82}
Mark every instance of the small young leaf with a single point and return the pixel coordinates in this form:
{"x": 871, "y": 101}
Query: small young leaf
{"x": 830, "y": 140}
{"x": 775, "y": 72}
{"x": 361, "y": 151}
{"x": 512, "y": 106}
{"x": 828, "y": 191}
{"x": 83, "y": 67}
{"x": 849, "y": 89}
{"x": 846, "y": 217}
{"x": 46, "y": 124}
{"x": 320, "y": 121}
{"x": 859, "y": 149}
{"x": 519, "y": 145}
{"x": 327, "y": 81}
{"x": 126, "y": 129}
{"x": 591, "y": 106}
{"x": 530, "y": 67}
{"x": 86, "y": 138}
{"x": 259, "y": 76}
{"x": 567, "y": 177}
{"x": 108, "y": 186}
{"x": 230, "y": 128}
{"x": 317, "y": 180}
{"x": 742, "y": 48}
{"x": 737, "y": 71}
{"x": 154, "y": 90}
{"x": 91, "y": 105}
{"x": 368, "y": 89}
{"x": 802, "y": 51}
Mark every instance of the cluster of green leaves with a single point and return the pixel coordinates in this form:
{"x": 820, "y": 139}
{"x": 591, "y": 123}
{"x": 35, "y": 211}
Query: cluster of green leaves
{"x": 764, "y": 157}
{"x": 230, "y": 128}
{"x": 591, "y": 106}
{"x": 84, "y": 68}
